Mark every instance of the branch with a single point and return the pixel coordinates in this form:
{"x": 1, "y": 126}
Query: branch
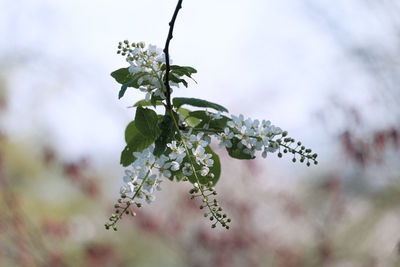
{"x": 166, "y": 52}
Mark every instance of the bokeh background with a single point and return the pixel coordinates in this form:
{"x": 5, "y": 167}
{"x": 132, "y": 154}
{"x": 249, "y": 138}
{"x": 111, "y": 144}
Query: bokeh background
{"x": 326, "y": 71}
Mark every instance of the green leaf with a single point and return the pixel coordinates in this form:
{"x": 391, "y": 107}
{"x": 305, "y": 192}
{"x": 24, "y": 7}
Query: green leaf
{"x": 236, "y": 152}
{"x": 175, "y": 79}
{"x": 184, "y": 70}
{"x": 179, "y": 101}
{"x": 191, "y": 121}
{"x": 167, "y": 128}
{"x": 143, "y": 103}
{"x": 136, "y": 142}
{"x": 123, "y": 89}
{"x": 122, "y": 75}
{"x": 127, "y": 157}
{"x": 130, "y": 131}
{"x": 147, "y": 122}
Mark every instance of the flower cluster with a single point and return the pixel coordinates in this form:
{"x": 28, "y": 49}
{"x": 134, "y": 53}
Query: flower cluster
{"x": 140, "y": 182}
{"x": 252, "y": 135}
{"x": 148, "y": 65}
{"x": 180, "y": 139}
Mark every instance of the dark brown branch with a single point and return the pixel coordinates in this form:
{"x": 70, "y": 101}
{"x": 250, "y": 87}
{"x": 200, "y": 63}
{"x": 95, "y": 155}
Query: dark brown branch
{"x": 166, "y": 52}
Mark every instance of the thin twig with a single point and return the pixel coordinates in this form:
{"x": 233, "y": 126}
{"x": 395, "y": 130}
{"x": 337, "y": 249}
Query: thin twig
{"x": 166, "y": 52}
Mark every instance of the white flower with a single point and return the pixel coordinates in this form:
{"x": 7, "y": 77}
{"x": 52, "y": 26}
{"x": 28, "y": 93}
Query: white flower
{"x": 163, "y": 166}
{"x": 236, "y": 122}
{"x": 153, "y": 50}
{"x": 197, "y": 140}
{"x": 149, "y": 92}
{"x": 177, "y": 152}
{"x": 186, "y": 136}
{"x": 225, "y": 138}
{"x": 244, "y": 135}
{"x": 127, "y": 188}
{"x": 204, "y": 171}
{"x": 207, "y": 161}
{"x": 187, "y": 169}
{"x": 129, "y": 176}
{"x": 214, "y": 116}
{"x": 150, "y": 198}
{"x": 175, "y": 166}
{"x": 148, "y": 184}
{"x": 198, "y": 153}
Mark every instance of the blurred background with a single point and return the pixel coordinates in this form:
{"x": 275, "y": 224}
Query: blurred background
{"x": 326, "y": 71}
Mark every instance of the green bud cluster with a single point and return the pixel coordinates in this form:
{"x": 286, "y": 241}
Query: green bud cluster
{"x": 123, "y": 207}
{"x": 290, "y": 146}
{"x": 214, "y": 210}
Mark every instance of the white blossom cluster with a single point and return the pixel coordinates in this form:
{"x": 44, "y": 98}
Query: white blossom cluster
{"x": 252, "y": 135}
{"x": 149, "y": 62}
{"x": 140, "y": 181}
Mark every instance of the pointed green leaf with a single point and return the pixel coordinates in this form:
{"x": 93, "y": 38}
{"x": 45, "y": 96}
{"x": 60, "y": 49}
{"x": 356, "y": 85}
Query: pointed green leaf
{"x": 136, "y": 142}
{"x": 122, "y": 75}
{"x": 191, "y": 121}
{"x": 123, "y": 89}
{"x": 143, "y": 103}
{"x": 147, "y": 122}
{"x": 179, "y": 101}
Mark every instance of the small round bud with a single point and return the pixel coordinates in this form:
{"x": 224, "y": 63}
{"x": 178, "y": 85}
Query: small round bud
{"x": 285, "y": 150}
{"x": 201, "y": 207}
{"x": 211, "y": 218}
{"x": 139, "y": 205}
{"x": 294, "y": 159}
{"x": 229, "y": 220}
{"x": 279, "y": 155}
{"x": 205, "y": 215}
{"x": 299, "y": 143}
{"x": 315, "y": 162}
{"x": 227, "y": 227}
{"x": 116, "y": 206}
{"x": 213, "y": 225}
{"x": 284, "y": 133}
{"x": 308, "y": 164}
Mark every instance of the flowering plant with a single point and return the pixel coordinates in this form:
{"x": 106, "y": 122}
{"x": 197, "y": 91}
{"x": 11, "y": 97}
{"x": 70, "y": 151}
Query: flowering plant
{"x": 176, "y": 144}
